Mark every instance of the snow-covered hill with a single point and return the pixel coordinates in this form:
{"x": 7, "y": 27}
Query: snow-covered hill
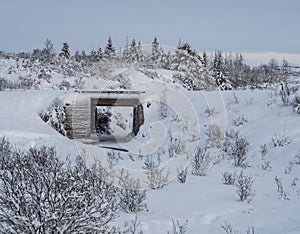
{"x": 272, "y": 161}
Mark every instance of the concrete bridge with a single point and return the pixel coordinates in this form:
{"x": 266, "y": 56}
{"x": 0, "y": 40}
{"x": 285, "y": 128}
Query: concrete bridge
{"x": 80, "y": 111}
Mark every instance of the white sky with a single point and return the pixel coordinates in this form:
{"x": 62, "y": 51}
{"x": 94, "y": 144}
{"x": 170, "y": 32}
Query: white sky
{"x": 228, "y": 25}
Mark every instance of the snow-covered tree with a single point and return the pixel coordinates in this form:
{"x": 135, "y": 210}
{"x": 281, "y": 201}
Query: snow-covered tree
{"x": 48, "y": 51}
{"x": 196, "y": 75}
{"x": 109, "y": 51}
{"x": 156, "y": 53}
{"x": 65, "y": 51}
{"x": 55, "y": 116}
{"x": 140, "y": 53}
{"x": 96, "y": 55}
{"x": 218, "y": 71}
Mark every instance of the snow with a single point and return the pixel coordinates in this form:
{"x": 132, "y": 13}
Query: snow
{"x": 204, "y": 201}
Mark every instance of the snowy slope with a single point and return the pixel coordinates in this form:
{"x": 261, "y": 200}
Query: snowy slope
{"x": 203, "y": 200}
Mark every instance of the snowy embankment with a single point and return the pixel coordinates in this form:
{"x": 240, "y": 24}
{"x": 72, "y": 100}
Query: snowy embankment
{"x": 204, "y": 201}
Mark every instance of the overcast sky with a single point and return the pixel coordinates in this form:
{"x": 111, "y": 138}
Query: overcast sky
{"x": 228, "y": 25}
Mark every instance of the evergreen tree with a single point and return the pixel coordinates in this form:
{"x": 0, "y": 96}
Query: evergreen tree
{"x": 109, "y": 50}
{"x": 204, "y": 59}
{"x": 96, "y": 55}
{"x": 157, "y": 53}
{"x": 65, "y": 51}
{"x": 140, "y": 53}
{"x": 166, "y": 60}
{"x": 132, "y": 55}
{"x": 125, "y": 54}
{"x": 196, "y": 75}
{"x": 218, "y": 71}
{"x": 77, "y": 56}
{"x": 48, "y": 51}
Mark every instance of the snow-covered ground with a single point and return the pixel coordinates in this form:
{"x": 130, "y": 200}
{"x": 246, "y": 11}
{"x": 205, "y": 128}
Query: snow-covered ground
{"x": 204, "y": 201}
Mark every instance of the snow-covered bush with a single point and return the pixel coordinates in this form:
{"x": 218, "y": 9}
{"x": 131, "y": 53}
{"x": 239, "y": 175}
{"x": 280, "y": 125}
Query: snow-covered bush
{"x": 296, "y": 104}
{"x": 182, "y": 173}
{"x": 175, "y": 147}
{"x": 210, "y": 111}
{"x": 284, "y": 94}
{"x": 132, "y": 197}
{"x": 266, "y": 164}
{"x": 200, "y": 162}
{"x": 283, "y": 195}
{"x": 179, "y": 228}
{"x": 20, "y": 84}
{"x": 215, "y": 136}
{"x": 240, "y": 121}
{"x": 157, "y": 178}
{"x": 228, "y": 228}
{"x": 237, "y": 148}
{"x": 39, "y": 193}
{"x": 229, "y": 178}
{"x": 280, "y": 139}
{"x": 244, "y": 187}
{"x": 55, "y": 116}
{"x": 64, "y": 85}
{"x": 297, "y": 155}
{"x": 132, "y": 227}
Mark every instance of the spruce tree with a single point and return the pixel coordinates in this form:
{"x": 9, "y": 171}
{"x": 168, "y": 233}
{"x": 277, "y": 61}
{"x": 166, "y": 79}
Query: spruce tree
{"x": 109, "y": 50}
{"x": 204, "y": 59}
{"x": 140, "y": 53}
{"x": 157, "y": 54}
{"x": 132, "y": 53}
{"x": 65, "y": 51}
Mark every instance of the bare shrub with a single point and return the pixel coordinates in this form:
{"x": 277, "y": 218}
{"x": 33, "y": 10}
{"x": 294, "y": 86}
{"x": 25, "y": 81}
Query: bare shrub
{"x": 297, "y": 156}
{"x": 210, "y": 111}
{"x": 215, "y": 136}
{"x": 283, "y": 195}
{"x": 229, "y": 229}
{"x": 263, "y": 151}
{"x": 229, "y": 178}
{"x": 201, "y": 162}
{"x": 157, "y": 178}
{"x": 237, "y": 148}
{"x": 240, "y": 121}
{"x": 163, "y": 107}
{"x": 182, "y": 174}
{"x": 41, "y": 194}
{"x": 280, "y": 139}
{"x": 266, "y": 164}
{"x": 284, "y": 94}
{"x": 132, "y": 197}
{"x": 175, "y": 147}
{"x": 296, "y": 104}
{"x": 289, "y": 168}
{"x": 244, "y": 187}
{"x": 251, "y": 230}
{"x": 150, "y": 164}
{"x": 55, "y": 116}
{"x": 179, "y": 228}
{"x": 132, "y": 227}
